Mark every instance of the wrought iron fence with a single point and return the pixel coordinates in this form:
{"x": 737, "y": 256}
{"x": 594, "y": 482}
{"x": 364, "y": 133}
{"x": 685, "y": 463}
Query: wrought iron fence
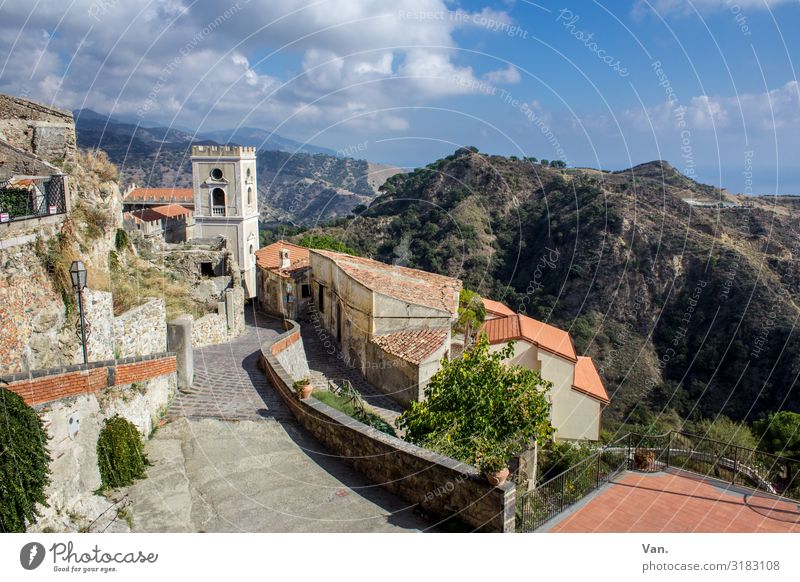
{"x": 737, "y": 465}
{"x": 32, "y": 197}
{"x": 550, "y": 498}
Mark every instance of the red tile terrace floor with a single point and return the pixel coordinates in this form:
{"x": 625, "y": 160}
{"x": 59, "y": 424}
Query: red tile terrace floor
{"x": 672, "y": 502}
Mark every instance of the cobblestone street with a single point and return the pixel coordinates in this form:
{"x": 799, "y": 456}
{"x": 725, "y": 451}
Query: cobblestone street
{"x": 227, "y": 382}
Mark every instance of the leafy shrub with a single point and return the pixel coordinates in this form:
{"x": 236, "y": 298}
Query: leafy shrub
{"x": 480, "y": 411}
{"x": 122, "y": 242}
{"x": 120, "y": 453}
{"x": 24, "y": 463}
{"x": 327, "y": 242}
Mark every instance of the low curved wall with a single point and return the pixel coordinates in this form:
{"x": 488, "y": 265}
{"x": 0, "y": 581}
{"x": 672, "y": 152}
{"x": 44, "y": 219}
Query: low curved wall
{"x": 440, "y": 486}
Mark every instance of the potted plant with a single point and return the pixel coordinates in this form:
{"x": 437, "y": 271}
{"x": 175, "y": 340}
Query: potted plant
{"x": 491, "y": 459}
{"x": 644, "y": 460}
{"x": 303, "y": 388}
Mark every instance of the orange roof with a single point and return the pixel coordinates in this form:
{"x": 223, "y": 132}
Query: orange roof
{"x": 155, "y": 213}
{"x": 409, "y": 285}
{"x": 269, "y": 257}
{"x": 160, "y": 195}
{"x": 522, "y": 327}
{"x": 412, "y": 345}
{"x": 588, "y": 381}
{"x": 496, "y": 308}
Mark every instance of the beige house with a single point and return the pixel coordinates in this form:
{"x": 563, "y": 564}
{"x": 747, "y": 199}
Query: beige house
{"x": 283, "y": 280}
{"x": 578, "y": 395}
{"x": 172, "y": 222}
{"x": 392, "y": 323}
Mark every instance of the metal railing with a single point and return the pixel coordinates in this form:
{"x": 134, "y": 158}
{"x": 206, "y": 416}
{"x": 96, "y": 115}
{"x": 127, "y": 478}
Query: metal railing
{"x": 550, "y": 498}
{"x": 32, "y": 197}
{"x": 736, "y": 465}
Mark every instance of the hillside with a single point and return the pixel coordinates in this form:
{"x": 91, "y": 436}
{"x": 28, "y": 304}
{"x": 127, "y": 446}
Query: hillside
{"x": 297, "y": 183}
{"x": 687, "y": 309}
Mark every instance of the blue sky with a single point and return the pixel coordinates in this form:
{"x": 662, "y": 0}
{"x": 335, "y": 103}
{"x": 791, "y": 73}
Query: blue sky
{"x": 708, "y": 85}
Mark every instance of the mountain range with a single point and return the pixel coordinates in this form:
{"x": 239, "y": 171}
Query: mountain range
{"x": 684, "y": 294}
{"x": 298, "y": 183}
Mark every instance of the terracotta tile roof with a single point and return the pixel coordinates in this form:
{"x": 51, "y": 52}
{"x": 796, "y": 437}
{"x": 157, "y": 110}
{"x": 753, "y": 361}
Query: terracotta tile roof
{"x": 496, "y": 308}
{"x": 522, "y": 327}
{"x": 159, "y": 196}
{"x": 412, "y": 345}
{"x": 159, "y": 213}
{"x": 588, "y": 381}
{"x": 269, "y": 257}
{"x": 409, "y": 285}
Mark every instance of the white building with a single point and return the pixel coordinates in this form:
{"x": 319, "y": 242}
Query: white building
{"x": 226, "y": 202}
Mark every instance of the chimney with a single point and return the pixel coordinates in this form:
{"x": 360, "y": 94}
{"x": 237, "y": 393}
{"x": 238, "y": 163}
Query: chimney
{"x": 285, "y": 262}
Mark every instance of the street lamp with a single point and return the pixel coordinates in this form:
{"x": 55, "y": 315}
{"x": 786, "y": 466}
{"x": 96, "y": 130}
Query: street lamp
{"x": 77, "y": 272}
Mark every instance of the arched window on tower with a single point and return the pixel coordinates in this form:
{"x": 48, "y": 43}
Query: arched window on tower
{"x": 249, "y": 195}
{"x": 218, "y": 202}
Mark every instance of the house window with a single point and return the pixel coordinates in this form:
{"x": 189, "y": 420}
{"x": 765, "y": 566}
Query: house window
{"x": 218, "y": 202}
{"x": 216, "y": 174}
{"x": 321, "y": 298}
{"x": 305, "y": 291}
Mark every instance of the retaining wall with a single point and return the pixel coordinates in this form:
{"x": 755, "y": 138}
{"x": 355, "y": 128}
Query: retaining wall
{"x": 440, "y": 486}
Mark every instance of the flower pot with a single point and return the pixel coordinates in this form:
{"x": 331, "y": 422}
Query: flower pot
{"x": 497, "y": 478}
{"x": 305, "y": 391}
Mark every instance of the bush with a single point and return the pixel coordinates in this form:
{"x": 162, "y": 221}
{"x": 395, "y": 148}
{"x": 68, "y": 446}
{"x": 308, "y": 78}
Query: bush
{"x": 479, "y": 410}
{"x": 120, "y": 453}
{"x": 24, "y": 463}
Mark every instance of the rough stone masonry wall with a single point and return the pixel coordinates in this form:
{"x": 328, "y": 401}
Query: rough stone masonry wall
{"x": 44, "y": 131}
{"x": 142, "y": 330}
{"x": 209, "y": 329}
{"x": 74, "y": 472}
{"x": 438, "y": 485}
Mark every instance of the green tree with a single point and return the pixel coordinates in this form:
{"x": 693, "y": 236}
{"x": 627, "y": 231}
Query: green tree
{"x": 471, "y": 313}
{"x": 780, "y": 433}
{"x": 724, "y": 430}
{"x": 479, "y": 410}
{"x": 326, "y": 242}
{"x": 24, "y": 463}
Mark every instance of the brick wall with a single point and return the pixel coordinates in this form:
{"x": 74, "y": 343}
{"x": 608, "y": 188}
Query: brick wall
{"x": 48, "y": 385}
{"x": 437, "y": 485}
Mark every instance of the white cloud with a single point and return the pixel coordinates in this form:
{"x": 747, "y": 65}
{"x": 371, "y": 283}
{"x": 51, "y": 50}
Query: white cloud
{"x": 775, "y": 109}
{"x": 202, "y": 60}
{"x": 509, "y": 75}
{"x": 685, "y": 7}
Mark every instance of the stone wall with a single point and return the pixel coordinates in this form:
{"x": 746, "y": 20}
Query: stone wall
{"x": 291, "y": 355}
{"x": 74, "y": 472}
{"x": 438, "y": 485}
{"x": 142, "y": 330}
{"x": 209, "y": 329}
{"x": 44, "y": 131}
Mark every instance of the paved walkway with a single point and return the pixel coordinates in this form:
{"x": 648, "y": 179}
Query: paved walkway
{"x": 227, "y": 382}
{"x": 232, "y": 458}
{"x": 256, "y": 476}
{"x": 325, "y": 367}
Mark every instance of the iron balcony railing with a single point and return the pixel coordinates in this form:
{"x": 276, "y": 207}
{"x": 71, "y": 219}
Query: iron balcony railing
{"x": 548, "y": 499}
{"x": 772, "y": 474}
{"x": 32, "y": 197}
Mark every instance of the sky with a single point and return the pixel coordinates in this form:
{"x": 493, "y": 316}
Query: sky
{"x": 708, "y": 85}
